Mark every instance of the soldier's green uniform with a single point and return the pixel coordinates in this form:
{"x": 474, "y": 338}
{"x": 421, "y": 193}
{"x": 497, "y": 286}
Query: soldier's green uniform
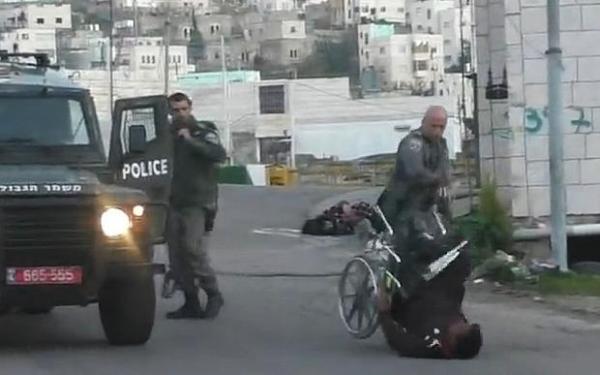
{"x": 194, "y": 195}
{"x": 421, "y": 172}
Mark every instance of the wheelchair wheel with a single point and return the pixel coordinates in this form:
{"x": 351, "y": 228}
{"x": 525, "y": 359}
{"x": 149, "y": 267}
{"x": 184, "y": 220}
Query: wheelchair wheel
{"x": 357, "y": 302}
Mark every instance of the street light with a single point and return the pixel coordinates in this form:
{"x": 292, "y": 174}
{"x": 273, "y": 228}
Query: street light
{"x": 110, "y": 53}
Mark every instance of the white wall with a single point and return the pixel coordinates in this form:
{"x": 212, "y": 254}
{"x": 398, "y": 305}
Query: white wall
{"x": 393, "y": 58}
{"x": 364, "y": 138}
{"x": 274, "y": 5}
{"x": 30, "y": 40}
{"x": 388, "y": 10}
{"x": 38, "y": 16}
{"x": 514, "y": 133}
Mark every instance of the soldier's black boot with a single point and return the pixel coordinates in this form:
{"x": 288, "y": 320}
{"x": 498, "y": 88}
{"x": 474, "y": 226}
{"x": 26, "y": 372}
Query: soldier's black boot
{"x": 213, "y": 305}
{"x": 191, "y": 309}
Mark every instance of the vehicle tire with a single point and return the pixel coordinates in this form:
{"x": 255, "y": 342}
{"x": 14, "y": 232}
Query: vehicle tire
{"x": 357, "y": 298}
{"x": 127, "y": 310}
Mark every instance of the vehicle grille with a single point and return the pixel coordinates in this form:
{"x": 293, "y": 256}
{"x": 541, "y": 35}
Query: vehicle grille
{"x": 47, "y": 234}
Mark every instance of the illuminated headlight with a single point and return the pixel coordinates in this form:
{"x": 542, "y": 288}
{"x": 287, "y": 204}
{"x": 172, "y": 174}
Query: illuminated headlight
{"x": 115, "y": 222}
{"x": 138, "y": 211}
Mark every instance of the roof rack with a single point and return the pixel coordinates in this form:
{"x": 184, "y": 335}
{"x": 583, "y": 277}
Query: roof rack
{"x": 41, "y": 59}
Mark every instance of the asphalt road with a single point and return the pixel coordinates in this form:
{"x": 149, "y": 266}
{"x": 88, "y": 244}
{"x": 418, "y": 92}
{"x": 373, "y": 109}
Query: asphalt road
{"x": 283, "y": 325}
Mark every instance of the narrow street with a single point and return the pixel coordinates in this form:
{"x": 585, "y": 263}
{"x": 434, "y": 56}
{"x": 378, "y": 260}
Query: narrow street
{"x": 287, "y": 325}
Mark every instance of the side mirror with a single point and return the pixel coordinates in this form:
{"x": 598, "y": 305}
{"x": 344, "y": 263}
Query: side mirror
{"x": 137, "y": 139}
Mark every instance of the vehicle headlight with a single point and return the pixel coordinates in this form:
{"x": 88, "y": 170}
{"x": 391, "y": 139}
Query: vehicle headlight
{"x": 115, "y": 222}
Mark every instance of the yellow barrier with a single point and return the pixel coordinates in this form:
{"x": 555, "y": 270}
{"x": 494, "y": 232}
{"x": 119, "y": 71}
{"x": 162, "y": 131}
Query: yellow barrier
{"x": 281, "y": 175}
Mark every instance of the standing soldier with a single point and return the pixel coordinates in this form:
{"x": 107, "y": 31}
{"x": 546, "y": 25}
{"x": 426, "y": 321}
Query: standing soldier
{"x": 422, "y": 171}
{"x": 193, "y": 205}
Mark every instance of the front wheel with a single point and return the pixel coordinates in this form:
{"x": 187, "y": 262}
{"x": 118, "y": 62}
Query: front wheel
{"x": 127, "y": 310}
{"x": 357, "y": 302}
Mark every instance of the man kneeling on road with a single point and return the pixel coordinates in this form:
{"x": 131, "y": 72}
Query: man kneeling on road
{"x": 197, "y": 151}
{"x": 427, "y": 320}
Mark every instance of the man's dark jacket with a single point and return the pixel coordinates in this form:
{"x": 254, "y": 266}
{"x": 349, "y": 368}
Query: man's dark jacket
{"x": 422, "y": 168}
{"x": 195, "y": 174}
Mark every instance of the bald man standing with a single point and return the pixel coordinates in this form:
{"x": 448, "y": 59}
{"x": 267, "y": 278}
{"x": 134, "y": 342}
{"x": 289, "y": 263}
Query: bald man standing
{"x": 422, "y": 173}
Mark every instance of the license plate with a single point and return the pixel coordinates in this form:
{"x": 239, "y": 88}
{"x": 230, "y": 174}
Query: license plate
{"x": 44, "y": 275}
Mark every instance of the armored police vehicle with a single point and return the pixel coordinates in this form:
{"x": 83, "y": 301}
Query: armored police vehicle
{"x": 77, "y": 226}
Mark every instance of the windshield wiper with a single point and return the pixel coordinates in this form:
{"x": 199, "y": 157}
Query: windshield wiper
{"x": 17, "y": 140}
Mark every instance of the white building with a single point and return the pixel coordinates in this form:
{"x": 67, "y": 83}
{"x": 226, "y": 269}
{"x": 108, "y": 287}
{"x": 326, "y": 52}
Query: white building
{"x": 401, "y": 61}
{"x": 196, "y": 4}
{"x": 350, "y": 12}
{"x": 36, "y": 16}
{"x": 30, "y": 40}
{"x": 443, "y": 17}
{"x": 513, "y": 141}
{"x": 274, "y": 5}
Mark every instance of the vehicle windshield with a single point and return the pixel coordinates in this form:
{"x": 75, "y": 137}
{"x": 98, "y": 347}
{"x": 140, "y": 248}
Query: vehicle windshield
{"x": 42, "y": 121}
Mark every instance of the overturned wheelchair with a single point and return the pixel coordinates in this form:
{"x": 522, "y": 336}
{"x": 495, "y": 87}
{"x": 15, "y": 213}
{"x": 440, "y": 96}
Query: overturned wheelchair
{"x": 362, "y": 276}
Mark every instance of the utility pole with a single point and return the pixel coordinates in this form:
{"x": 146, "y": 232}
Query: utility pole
{"x": 558, "y": 238}
{"x": 225, "y": 97}
{"x": 110, "y": 59}
{"x": 167, "y": 37}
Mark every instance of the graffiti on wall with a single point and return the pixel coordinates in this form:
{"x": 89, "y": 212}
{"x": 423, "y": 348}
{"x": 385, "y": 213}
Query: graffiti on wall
{"x": 537, "y": 118}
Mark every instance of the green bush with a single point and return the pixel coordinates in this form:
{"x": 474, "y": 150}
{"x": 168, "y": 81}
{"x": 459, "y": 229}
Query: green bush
{"x": 489, "y": 226}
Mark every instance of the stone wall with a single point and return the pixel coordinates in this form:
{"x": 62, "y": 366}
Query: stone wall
{"x": 514, "y": 132}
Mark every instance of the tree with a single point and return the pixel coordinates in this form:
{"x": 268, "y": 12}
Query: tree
{"x": 196, "y": 45}
{"x": 328, "y": 59}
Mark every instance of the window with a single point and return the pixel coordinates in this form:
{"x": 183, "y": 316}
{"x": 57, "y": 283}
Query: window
{"x": 66, "y": 115}
{"x": 382, "y": 9}
{"x": 382, "y": 50}
{"x": 365, "y": 9}
{"x": 217, "y": 55}
{"x": 153, "y": 59}
{"x": 400, "y": 10}
{"x": 419, "y": 11}
{"x": 179, "y": 59}
{"x": 272, "y": 99}
{"x": 59, "y": 20}
{"x": 428, "y": 14}
{"x": 349, "y": 14}
{"x": 293, "y": 29}
{"x": 446, "y": 24}
{"x": 430, "y": 30}
{"x": 40, "y": 21}
{"x": 421, "y": 65}
{"x": 25, "y": 36}
{"x": 137, "y": 116}
{"x": 294, "y": 53}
